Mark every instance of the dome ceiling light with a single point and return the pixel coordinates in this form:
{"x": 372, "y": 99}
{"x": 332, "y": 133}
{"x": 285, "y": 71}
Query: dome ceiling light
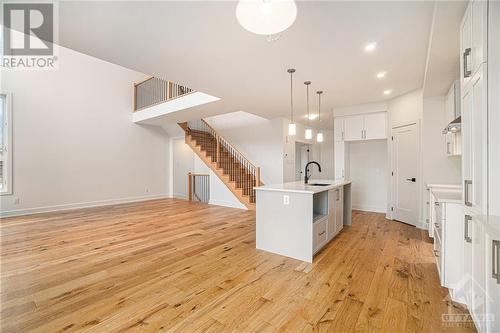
{"x": 266, "y": 17}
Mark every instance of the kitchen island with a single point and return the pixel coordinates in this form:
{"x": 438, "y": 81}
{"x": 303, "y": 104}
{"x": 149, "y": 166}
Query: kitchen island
{"x": 297, "y": 220}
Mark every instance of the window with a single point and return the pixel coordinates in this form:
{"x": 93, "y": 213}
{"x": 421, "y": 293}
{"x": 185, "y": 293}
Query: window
{"x": 5, "y": 144}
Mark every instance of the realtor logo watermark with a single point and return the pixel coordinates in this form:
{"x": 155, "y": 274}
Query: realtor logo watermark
{"x": 29, "y": 36}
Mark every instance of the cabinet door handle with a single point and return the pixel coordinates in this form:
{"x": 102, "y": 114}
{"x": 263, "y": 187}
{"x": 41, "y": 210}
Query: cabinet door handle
{"x": 467, "y": 183}
{"x": 467, "y": 237}
{"x": 466, "y": 55}
{"x": 495, "y": 260}
{"x": 448, "y": 148}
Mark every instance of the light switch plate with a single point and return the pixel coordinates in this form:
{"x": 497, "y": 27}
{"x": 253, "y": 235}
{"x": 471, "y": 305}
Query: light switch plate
{"x": 286, "y": 199}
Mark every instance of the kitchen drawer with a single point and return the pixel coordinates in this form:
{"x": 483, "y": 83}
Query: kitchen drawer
{"x": 319, "y": 234}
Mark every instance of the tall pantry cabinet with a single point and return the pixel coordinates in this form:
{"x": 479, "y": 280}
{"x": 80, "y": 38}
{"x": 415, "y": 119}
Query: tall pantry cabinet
{"x": 480, "y": 166}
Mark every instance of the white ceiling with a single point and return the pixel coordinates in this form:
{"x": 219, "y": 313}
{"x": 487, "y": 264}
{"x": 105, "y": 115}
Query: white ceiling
{"x": 201, "y": 45}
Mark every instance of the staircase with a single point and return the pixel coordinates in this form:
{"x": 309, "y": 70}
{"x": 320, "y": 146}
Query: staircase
{"x": 234, "y": 170}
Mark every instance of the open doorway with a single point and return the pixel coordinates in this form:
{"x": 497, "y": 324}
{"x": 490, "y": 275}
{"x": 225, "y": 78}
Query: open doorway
{"x": 303, "y": 155}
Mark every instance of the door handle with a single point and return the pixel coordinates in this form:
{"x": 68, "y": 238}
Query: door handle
{"x": 413, "y": 180}
{"x": 467, "y": 238}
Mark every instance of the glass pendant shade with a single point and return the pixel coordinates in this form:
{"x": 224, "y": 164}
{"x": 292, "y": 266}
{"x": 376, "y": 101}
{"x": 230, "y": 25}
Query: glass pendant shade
{"x": 309, "y": 134}
{"x": 292, "y": 129}
{"x": 319, "y": 137}
{"x": 266, "y": 17}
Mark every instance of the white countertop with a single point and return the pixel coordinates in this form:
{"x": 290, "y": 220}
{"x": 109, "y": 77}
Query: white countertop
{"x": 300, "y": 187}
{"x": 453, "y": 196}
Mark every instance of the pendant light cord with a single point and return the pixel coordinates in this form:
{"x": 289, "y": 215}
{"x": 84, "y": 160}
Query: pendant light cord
{"x": 319, "y": 105}
{"x": 308, "y": 118}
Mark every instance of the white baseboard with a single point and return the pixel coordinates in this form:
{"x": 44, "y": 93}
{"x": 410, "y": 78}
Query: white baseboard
{"x": 227, "y": 204}
{"x": 56, "y": 208}
{"x": 368, "y": 208}
{"x": 179, "y": 196}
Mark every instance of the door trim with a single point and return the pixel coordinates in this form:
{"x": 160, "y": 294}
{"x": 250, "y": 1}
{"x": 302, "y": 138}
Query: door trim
{"x": 392, "y": 184}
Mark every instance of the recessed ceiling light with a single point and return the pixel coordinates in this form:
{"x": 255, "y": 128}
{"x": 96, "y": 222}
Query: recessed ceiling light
{"x": 387, "y": 92}
{"x": 381, "y": 75}
{"x": 370, "y": 47}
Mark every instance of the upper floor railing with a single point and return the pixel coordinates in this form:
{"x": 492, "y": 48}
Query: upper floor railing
{"x": 153, "y": 91}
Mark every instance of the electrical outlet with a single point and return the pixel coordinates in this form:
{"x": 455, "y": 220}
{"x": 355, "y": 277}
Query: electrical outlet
{"x": 17, "y": 201}
{"x": 147, "y": 190}
{"x": 286, "y": 200}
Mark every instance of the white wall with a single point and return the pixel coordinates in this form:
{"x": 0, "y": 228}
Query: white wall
{"x": 257, "y": 138}
{"x": 368, "y": 169}
{"x": 182, "y": 164}
{"x": 437, "y": 166}
{"x": 74, "y": 140}
{"x": 404, "y": 110}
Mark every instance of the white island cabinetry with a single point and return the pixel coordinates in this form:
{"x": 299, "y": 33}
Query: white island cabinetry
{"x": 297, "y": 220}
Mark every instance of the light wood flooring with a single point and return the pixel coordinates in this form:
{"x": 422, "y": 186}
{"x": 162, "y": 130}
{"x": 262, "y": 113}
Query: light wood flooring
{"x": 175, "y": 266}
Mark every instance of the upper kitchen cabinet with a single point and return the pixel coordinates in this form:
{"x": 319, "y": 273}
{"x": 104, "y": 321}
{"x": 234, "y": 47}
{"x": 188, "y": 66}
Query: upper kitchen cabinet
{"x": 375, "y": 126}
{"x": 473, "y": 39}
{"x": 354, "y": 128}
{"x": 370, "y": 126}
{"x": 452, "y": 103}
{"x": 338, "y": 129}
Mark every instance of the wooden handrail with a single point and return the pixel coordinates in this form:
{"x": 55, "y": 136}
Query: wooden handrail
{"x": 244, "y": 173}
{"x": 223, "y": 139}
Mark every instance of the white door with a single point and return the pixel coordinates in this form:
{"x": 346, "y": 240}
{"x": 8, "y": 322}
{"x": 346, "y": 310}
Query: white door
{"x": 353, "y": 128}
{"x": 375, "y": 126}
{"x": 405, "y": 147}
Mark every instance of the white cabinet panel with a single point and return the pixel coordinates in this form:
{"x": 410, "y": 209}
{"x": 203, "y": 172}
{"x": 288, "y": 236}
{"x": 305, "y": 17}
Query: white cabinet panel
{"x": 492, "y": 269}
{"x": 478, "y": 126}
{"x": 353, "y": 128}
{"x": 338, "y": 129}
{"x": 479, "y": 33}
{"x": 478, "y": 305}
{"x": 375, "y": 125}
{"x": 331, "y": 230}
{"x": 339, "y": 159}
{"x": 339, "y": 210}
{"x": 466, "y": 47}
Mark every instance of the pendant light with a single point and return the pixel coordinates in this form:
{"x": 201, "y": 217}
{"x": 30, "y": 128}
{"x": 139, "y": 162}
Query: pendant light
{"x": 292, "y": 128}
{"x": 308, "y": 134}
{"x": 319, "y": 136}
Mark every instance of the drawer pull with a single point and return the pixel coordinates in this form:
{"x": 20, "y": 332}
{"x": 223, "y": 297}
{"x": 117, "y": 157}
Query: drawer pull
{"x": 322, "y": 233}
{"x": 495, "y": 260}
{"x": 467, "y": 237}
{"x": 466, "y": 192}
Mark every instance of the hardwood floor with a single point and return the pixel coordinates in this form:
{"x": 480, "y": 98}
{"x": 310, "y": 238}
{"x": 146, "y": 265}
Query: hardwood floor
{"x": 172, "y": 265}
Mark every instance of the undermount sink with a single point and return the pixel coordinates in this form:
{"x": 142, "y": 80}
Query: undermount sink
{"x": 317, "y": 184}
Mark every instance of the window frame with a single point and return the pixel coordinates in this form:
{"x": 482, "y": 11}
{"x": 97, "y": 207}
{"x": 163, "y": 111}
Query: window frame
{"x": 7, "y": 132}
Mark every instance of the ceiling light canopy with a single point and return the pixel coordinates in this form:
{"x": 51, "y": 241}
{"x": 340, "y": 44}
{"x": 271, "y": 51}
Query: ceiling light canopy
{"x": 266, "y": 17}
{"x": 370, "y": 47}
{"x": 387, "y": 92}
